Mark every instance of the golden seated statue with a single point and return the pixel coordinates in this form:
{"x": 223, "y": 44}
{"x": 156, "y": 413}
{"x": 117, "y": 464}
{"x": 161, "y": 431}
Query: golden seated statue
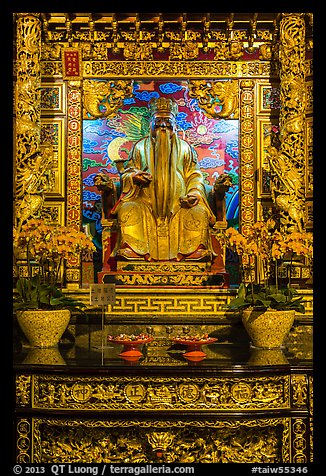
{"x": 159, "y": 213}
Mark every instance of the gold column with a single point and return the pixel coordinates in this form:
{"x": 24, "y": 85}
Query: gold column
{"x": 27, "y": 101}
{"x": 288, "y": 163}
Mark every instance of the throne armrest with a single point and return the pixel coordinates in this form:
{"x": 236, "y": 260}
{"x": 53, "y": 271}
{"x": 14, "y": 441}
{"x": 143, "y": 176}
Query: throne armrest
{"x": 109, "y": 193}
{"x": 221, "y": 186}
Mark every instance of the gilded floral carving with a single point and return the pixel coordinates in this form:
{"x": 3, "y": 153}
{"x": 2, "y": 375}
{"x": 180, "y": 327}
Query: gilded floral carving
{"x": 136, "y": 441}
{"x": 287, "y": 164}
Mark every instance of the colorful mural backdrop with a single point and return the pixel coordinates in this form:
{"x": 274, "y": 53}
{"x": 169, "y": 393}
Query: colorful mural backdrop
{"x": 106, "y": 140}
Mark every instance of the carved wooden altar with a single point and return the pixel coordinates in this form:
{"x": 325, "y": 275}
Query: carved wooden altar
{"x": 82, "y": 404}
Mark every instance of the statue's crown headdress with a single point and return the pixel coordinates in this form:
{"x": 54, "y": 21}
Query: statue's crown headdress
{"x": 161, "y": 105}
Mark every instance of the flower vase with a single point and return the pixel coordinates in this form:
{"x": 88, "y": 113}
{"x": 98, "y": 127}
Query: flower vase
{"x": 268, "y": 329}
{"x": 43, "y": 328}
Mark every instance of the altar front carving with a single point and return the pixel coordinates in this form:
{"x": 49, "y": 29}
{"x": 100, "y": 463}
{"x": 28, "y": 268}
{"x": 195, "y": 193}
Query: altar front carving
{"x": 88, "y": 405}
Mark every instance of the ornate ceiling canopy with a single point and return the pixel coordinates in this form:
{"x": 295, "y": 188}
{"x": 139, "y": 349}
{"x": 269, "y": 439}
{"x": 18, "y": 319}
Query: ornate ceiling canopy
{"x": 164, "y": 28}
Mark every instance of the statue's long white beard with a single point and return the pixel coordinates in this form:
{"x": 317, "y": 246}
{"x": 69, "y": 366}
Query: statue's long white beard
{"x": 162, "y": 173}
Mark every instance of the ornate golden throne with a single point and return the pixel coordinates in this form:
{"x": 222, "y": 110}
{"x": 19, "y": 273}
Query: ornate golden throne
{"x": 138, "y": 272}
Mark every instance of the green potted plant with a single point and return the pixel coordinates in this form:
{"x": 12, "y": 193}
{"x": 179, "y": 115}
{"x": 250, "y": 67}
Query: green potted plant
{"x": 267, "y": 306}
{"x": 42, "y": 309}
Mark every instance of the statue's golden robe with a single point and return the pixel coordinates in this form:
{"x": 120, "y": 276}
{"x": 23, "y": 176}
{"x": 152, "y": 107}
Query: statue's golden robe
{"x": 151, "y": 219}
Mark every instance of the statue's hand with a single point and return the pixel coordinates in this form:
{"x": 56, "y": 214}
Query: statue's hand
{"x": 143, "y": 179}
{"x": 191, "y": 200}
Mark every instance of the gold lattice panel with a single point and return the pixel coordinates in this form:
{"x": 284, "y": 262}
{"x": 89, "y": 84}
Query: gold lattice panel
{"x": 167, "y": 303}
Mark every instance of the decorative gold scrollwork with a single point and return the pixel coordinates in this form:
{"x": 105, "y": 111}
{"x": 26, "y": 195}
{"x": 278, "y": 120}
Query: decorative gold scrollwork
{"x": 28, "y": 113}
{"x": 103, "y": 98}
{"x": 135, "y": 51}
{"x": 299, "y": 390}
{"x": 286, "y": 189}
{"x": 185, "y": 441}
{"x": 23, "y": 390}
{"x": 27, "y": 85}
{"x": 157, "y": 394}
{"x": 287, "y": 163}
{"x": 216, "y": 94}
{"x": 34, "y": 177}
{"x": 160, "y": 441}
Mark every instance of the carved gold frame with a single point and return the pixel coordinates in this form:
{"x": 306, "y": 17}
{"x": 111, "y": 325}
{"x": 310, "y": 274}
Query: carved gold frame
{"x": 62, "y": 90}
{"x": 252, "y": 77}
{"x": 58, "y": 191}
{"x": 186, "y": 70}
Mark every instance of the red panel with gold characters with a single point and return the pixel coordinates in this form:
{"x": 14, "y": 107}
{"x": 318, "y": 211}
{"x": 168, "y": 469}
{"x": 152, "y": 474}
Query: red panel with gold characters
{"x": 73, "y": 215}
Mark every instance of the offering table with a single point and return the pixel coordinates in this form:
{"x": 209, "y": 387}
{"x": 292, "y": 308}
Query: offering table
{"x": 82, "y": 402}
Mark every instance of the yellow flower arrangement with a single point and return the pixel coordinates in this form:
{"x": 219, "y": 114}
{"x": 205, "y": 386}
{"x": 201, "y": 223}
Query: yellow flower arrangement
{"x": 264, "y": 244}
{"x": 45, "y": 247}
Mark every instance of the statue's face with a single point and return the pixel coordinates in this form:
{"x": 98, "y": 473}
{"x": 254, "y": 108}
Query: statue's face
{"x": 163, "y": 121}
